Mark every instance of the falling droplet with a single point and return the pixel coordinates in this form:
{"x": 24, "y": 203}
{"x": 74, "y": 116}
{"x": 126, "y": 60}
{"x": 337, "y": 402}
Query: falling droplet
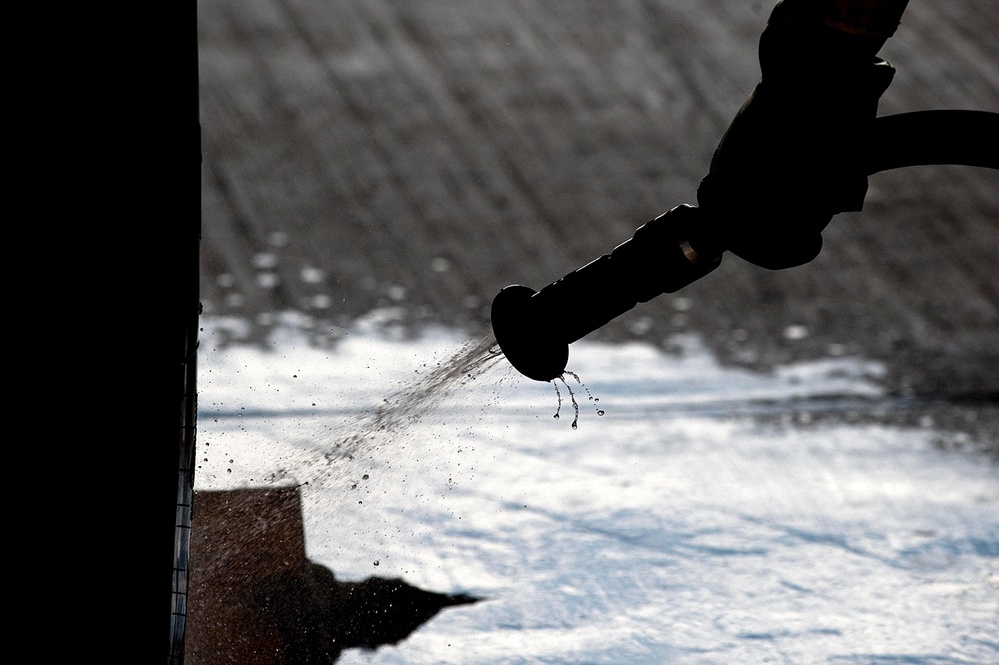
{"x": 589, "y": 395}
{"x": 572, "y": 397}
{"x": 558, "y": 393}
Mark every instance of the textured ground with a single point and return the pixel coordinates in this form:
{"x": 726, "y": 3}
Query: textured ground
{"x": 414, "y": 156}
{"x": 425, "y": 153}
{"x": 677, "y": 528}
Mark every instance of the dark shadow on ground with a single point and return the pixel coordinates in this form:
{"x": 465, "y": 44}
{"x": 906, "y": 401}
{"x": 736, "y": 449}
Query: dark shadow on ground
{"x": 317, "y": 616}
{"x": 255, "y": 599}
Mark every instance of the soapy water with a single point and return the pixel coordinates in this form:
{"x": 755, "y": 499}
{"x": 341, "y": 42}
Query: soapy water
{"x": 377, "y": 399}
{"x": 660, "y": 533}
{"x": 414, "y": 418}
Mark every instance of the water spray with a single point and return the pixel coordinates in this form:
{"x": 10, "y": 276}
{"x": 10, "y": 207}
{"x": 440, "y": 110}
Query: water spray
{"x": 535, "y": 328}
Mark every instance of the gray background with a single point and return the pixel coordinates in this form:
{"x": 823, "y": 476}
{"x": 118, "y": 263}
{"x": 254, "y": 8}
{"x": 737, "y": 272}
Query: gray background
{"x": 421, "y": 154}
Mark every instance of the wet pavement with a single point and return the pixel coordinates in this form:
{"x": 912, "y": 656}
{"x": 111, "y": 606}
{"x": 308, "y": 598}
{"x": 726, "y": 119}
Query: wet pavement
{"x": 796, "y": 477}
{"x": 711, "y": 515}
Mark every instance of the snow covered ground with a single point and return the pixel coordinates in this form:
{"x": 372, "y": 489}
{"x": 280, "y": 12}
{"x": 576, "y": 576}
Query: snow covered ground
{"x": 707, "y": 517}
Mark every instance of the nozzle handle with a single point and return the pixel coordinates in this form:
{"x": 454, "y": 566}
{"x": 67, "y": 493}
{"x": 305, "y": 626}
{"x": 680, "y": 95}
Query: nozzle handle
{"x": 534, "y": 329}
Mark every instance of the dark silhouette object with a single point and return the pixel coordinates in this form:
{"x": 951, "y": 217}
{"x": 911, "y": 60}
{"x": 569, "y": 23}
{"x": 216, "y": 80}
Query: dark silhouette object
{"x": 798, "y": 152}
{"x": 318, "y": 616}
{"x": 793, "y": 157}
{"x": 255, "y": 599}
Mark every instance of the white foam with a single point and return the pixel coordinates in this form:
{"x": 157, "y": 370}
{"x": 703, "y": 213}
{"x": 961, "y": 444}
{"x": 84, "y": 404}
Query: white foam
{"x": 656, "y": 533}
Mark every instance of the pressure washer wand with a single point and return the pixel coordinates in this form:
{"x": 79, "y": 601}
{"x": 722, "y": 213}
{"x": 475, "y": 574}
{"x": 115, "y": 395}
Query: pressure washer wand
{"x": 534, "y": 329}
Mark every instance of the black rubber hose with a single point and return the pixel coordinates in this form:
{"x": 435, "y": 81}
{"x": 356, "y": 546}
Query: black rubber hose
{"x": 921, "y": 138}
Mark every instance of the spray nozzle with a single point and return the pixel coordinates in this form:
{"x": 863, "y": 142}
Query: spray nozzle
{"x": 527, "y": 335}
{"x": 534, "y": 329}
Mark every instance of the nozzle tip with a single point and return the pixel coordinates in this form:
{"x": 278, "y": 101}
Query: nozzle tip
{"x": 526, "y": 334}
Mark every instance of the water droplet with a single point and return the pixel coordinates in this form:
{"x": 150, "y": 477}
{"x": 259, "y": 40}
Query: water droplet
{"x": 558, "y": 393}
{"x": 377, "y": 562}
{"x": 795, "y": 332}
{"x": 600, "y": 412}
{"x": 682, "y": 304}
{"x": 268, "y": 280}
{"x": 265, "y": 260}
{"x": 572, "y": 397}
{"x": 311, "y": 275}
